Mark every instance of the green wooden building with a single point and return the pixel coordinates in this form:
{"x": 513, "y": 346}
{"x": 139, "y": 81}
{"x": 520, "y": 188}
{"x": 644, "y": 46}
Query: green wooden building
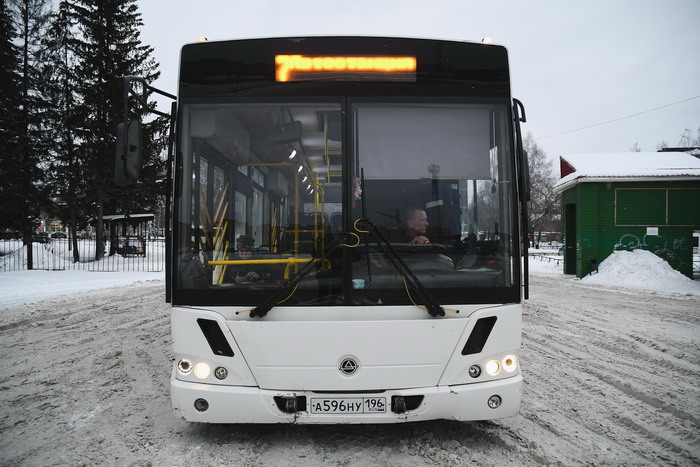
{"x": 625, "y": 201}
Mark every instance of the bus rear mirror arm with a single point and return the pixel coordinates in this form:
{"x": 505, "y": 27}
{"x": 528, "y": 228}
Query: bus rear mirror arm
{"x": 523, "y": 170}
{"x": 127, "y": 166}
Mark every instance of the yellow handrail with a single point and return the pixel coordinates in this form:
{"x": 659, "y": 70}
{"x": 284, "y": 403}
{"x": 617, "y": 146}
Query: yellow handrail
{"x": 219, "y": 235}
{"x": 288, "y": 261}
{"x": 220, "y": 204}
{"x": 222, "y": 272}
{"x": 206, "y": 232}
{"x": 292, "y": 260}
{"x": 204, "y": 203}
{"x": 273, "y": 233}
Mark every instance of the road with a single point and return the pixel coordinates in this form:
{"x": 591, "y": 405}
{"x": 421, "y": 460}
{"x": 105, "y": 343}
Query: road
{"x": 611, "y": 378}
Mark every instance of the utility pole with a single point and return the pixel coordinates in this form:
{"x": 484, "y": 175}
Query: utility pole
{"x": 684, "y": 137}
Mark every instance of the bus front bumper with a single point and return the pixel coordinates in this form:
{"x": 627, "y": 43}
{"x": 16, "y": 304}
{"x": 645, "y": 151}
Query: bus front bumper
{"x": 238, "y": 404}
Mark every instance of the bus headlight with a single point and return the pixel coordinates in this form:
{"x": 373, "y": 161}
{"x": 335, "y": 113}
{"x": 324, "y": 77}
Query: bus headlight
{"x": 510, "y": 363}
{"x": 492, "y": 367}
{"x": 185, "y": 366}
{"x": 201, "y": 370}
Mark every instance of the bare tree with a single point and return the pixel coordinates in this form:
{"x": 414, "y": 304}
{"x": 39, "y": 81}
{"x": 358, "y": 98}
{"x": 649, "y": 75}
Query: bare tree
{"x": 544, "y": 206}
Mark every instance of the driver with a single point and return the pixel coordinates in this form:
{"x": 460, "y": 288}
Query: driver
{"x": 416, "y": 226}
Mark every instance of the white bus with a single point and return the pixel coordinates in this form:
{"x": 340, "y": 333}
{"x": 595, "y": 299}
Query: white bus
{"x": 320, "y": 271}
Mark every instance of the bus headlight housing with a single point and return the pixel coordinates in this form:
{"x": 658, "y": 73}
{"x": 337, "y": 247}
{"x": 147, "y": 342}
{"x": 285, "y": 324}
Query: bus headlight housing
{"x": 494, "y": 366}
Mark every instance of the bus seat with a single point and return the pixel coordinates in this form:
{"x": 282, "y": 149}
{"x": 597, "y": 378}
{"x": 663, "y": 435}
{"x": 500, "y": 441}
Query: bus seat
{"x": 337, "y": 220}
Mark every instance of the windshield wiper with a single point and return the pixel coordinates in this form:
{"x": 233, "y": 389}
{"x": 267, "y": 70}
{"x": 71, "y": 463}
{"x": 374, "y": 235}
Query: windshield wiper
{"x": 273, "y": 299}
{"x": 423, "y": 295}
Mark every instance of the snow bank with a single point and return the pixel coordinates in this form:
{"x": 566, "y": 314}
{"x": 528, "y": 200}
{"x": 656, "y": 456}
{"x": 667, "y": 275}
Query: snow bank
{"x": 641, "y": 269}
{"x": 33, "y": 286}
{"x": 546, "y": 265}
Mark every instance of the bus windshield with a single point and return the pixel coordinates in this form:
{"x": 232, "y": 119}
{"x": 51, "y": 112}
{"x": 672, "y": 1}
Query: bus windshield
{"x": 267, "y": 187}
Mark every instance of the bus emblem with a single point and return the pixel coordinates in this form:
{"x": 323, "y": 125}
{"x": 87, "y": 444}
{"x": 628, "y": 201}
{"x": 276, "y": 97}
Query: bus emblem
{"x": 348, "y": 366}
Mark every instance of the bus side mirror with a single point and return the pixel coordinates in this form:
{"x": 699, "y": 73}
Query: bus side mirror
{"x": 127, "y": 163}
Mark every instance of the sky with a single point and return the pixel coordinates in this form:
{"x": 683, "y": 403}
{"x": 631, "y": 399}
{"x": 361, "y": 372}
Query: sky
{"x": 594, "y": 75}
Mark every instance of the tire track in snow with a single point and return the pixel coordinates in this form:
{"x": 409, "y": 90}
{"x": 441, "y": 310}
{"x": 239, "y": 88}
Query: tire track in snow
{"x": 600, "y": 361}
{"x": 89, "y": 379}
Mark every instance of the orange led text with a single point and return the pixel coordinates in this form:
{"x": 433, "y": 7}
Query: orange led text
{"x": 287, "y": 65}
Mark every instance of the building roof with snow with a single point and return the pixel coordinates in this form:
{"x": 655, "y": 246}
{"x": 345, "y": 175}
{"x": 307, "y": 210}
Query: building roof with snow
{"x": 626, "y": 166}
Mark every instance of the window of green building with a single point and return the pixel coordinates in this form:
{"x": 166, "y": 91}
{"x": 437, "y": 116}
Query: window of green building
{"x": 661, "y": 206}
{"x": 684, "y": 207}
{"x": 640, "y": 207}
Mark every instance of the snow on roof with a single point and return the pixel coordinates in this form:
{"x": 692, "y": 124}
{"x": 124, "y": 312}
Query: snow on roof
{"x": 627, "y": 166}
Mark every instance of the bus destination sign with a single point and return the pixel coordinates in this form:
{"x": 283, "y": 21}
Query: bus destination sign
{"x": 382, "y": 68}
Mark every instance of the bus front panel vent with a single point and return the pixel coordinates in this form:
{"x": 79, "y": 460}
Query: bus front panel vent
{"x": 215, "y": 337}
{"x": 479, "y": 336}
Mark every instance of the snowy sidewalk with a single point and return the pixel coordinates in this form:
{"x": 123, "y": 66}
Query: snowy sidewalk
{"x": 33, "y": 286}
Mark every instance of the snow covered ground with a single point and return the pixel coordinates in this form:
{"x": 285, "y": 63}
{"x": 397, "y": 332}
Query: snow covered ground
{"x": 611, "y": 365}
{"x": 34, "y": 286}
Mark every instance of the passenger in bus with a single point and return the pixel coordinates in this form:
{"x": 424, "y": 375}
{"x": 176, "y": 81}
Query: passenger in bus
{"x": 416, "y": 221}
{"x": 356, "y": 190}
{"x": 247, "y": 272}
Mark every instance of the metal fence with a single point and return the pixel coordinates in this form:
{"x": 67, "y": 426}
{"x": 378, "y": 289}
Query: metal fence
{"x": 123, "y": 253}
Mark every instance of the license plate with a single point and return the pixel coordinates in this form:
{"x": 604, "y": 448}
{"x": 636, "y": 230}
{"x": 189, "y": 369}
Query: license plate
{"x": 349, "y": 405}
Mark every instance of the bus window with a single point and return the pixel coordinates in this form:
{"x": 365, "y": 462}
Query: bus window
{"x": 429, "y": 170}
{"x": 277, "y": 183}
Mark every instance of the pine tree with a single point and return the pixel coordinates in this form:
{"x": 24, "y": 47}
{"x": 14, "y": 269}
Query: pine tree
{"x": 60, "y": 86}
{"x": 10, "y": 216}
{"x": 109, "y": 49}
{"x": 31, "y": 196}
